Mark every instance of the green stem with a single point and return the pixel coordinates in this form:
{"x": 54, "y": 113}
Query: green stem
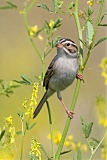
{"x": 26, "y": 11}
{"x": 98, "y": 146}
{"x": 68, "y": 121}
{"x": 77, "y": 85}
{"x": 95, "y": 31}
{"x": 22, "y": 141}
{"x": 51, "y": 130}
{"x": 79, "y": 32}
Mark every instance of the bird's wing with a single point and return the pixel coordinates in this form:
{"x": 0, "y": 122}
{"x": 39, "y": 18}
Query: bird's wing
{"x": 49, "y": 73}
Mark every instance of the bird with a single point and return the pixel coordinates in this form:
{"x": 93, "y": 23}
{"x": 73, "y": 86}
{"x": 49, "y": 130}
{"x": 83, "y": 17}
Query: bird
{"x": 61, "y": 73}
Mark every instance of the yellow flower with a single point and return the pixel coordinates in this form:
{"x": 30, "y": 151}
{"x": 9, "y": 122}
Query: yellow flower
{"x": 12, "y": 134}
{"x": 40, "y": 37}
{"x": 8, "y": 121}
{"x": 83, "y": 147}
{"x": 70, "y": 137}
{"x": 21, "y": 12}
{"x": 103, "y": 122}
{"x": 29, "y": 112}
{"x": 90, "y": 3}
{"x": 49, "y": 136}
{"x": 57, "y": 138}
{"x": 24, "y": 104}
{"x": 35, "y": 146}
{"x": 73, "y": 145}
{"x": 78, "y": 145}
{"x": 33, "y": 101}
{"x": 103, "y": 66}
{"x": 34, "y": 28}
{"x": 67, "y": 143}
{"x": 51, "y": 23}
{"x": 103, "y": 154}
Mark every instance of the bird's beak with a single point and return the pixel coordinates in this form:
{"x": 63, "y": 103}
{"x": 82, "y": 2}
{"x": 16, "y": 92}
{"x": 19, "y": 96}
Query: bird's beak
{"x": 58, "y": 45}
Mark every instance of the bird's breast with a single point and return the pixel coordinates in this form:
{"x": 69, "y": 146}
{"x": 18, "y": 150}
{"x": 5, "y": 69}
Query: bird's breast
{"x": 65, "y": 71}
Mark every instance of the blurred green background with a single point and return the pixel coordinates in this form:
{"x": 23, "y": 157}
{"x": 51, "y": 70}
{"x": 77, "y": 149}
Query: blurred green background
{"x": 17, "y": 56}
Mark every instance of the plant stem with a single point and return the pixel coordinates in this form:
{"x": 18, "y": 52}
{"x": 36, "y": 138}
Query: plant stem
{"x": 77, "y": 85}
{"x": 51, "y": 130}
{"x": 68, "y": 121}
{"x": 95, "y": 31}
{"x": 98, "y": 146}
{"x": 22, "y": 141}
{"x": 26, "y": 11}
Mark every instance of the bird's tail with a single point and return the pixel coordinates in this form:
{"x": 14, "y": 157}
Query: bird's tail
{"x": 39, "y": 107}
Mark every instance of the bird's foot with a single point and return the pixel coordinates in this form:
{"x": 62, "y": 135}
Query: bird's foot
{"x": 70, "y": 114}
{"x": 80, "y": 76}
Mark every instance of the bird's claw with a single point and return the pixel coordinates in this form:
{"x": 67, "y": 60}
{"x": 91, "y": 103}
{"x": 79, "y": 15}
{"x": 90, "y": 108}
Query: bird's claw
{"x": 70, "y": 114}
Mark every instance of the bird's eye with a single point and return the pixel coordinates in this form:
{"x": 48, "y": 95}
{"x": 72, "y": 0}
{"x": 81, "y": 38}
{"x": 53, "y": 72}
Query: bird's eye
{"x": 68, "y": 44}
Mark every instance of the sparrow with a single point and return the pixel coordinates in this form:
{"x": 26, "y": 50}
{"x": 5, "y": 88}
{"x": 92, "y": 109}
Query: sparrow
{"x": 61, "y": 73}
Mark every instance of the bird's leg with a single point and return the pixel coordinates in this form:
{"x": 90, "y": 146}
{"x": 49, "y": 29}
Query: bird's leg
{"x": 79, "y": 76}
{"x": 70, "y": 113}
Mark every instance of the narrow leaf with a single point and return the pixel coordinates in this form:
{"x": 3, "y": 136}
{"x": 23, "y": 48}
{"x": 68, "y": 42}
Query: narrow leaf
{"x": 57, "y": 23}
{"x": 25, "y": 78}
{"x": 104, "y": 25}
{"x": 84, "y": 43}
{"x": 43, "y": 149}
{"x": 79, "y": 156}
{"x": 19, "y": 132}
{"x": 65, "y": 152}
{"x": 44, "y": 6}
{"x": 11, "y": 4}
{"x": 27, "y": 125}
{"x": 2, "y": 134}
{"x": 83, "y": 124}
{"x": 55, "y": 4}
{"x": 100, "y": 41}
{"x": 32, "y": 125}
{"x": 89, "y": 32}
{"x": 88, "y": 130}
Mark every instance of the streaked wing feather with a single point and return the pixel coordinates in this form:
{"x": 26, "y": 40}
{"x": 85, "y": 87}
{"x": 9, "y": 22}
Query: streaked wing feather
{"x": 48, "y": 74}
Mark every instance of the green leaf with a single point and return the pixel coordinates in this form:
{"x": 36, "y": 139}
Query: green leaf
{"x": 55, "y": 4}
{"x": 104, "y": 25}
{"x": 92, "y": 145}
{"x": 83, "y": 124}
{"x": 64, "y": 152}
{"x": 89, "y": 32}
{"x": 19, "y": 132}
{"x": 2, "y": 134}
{"x": 43, "y": 149}
{"x": 71, "y": 5}
{"x": 87, "y": 129}
{"x": 32, "y": 125}
{"x": 100, "y": 41}
{"x": 57, "y": 23}
{"x": 27, "y": 125}
{"x": 79, "y": 156}
{"x": 84, "y": 43}
{"x": 54, "y": 42}
{"x": 9, "y": 6}
{"x": 25, "y": 80}
{"x": 90, "y": 11}
{"x": 97, "y": 142}
{"x": 44, "y": 6}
